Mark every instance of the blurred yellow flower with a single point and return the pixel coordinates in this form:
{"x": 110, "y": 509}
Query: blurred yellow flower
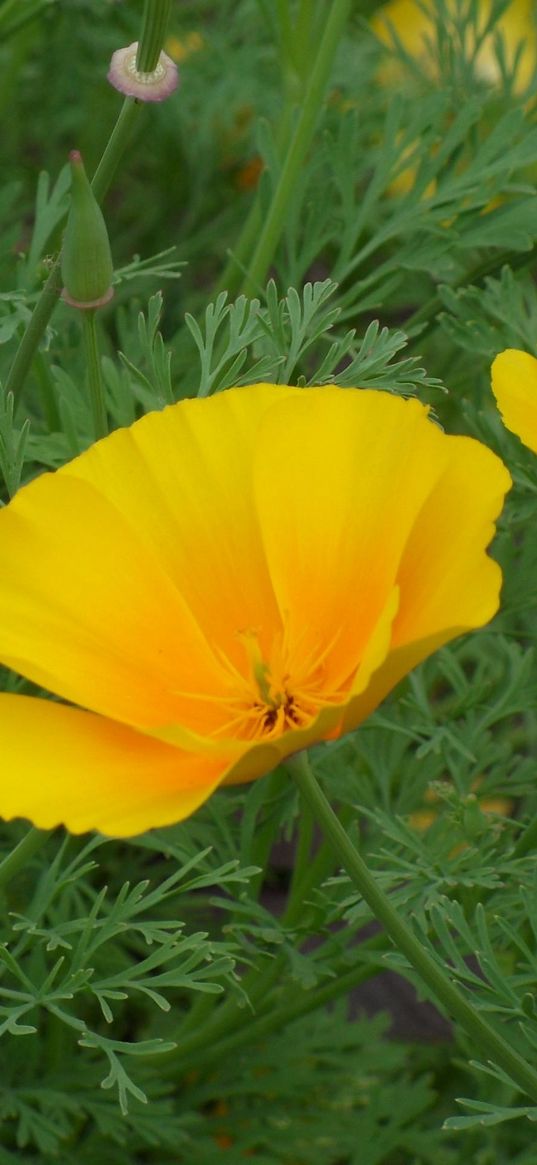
{"x": 225, "y": 583}
{"x": 422, "y": 819}
{"x": 413, "y": 22}
{"x": 181, "y": 47}
{"x": 514, "y": 384}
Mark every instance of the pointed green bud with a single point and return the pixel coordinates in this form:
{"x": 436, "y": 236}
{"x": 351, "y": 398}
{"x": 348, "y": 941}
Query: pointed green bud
{"x": 86, "y": 260}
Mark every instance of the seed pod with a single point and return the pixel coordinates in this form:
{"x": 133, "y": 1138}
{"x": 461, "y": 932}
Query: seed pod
{"x": 86, "y": 260}
{"x": 125, "y": 76}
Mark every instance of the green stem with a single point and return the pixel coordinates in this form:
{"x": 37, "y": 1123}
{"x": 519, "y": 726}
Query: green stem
{"x": 300, "y": 143}
{"x": 303, "y": 35}
{"x": 302, "y": 862}
{"x": 259, "y": 845}
{"x": 26, "y": 848}
{"x": 215, "y": 1027}
{"x": 272, "y": 1020}
{"x": 235, "y": 269}
{"x": 49, "y": 400}
{"x": 155, "y": 19}
{"x": 227, "y": 1018}
{"x": 115, "y": 147}
{"x": 32, "y": 337}
{"x": 314, "y": 874}
{"x": 485, "y": 1038}
{"x": 285, "y": 27}
{"x": 154, "y": 28}
{"x": 48, "y": 297}
{"x": 95, "y": 380}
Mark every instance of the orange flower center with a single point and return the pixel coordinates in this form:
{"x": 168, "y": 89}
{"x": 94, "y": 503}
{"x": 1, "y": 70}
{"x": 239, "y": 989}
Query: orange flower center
{"x": 269, "y": 707}
{"x": 261, "y": 700}
{"x": 270, "y": 700}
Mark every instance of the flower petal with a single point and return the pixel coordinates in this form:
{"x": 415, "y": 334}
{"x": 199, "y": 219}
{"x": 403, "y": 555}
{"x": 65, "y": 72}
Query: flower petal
{"x": 329, "y": 723}
{"x": 413, "y": 23}
{"x": 448, "y": 585}
{"x": 514, "y": 384}
{"x": 183, "y": 479}
{"x": 64, "y": 766}
{"x": 340, "y": 477}
{"x": 87, "y": 611}
{"x": 447, "y": 580}
{"x": 299, "y": 516}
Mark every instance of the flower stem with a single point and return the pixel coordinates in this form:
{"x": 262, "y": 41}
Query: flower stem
{"x": 26, "y": 848}
{"x": 95, "y": 381}
{"x": 299, "y": 145}
{"x": 485, "y": 1038}
{"x": 155, "y": 19}
{"x": 32, "y": 337}
{"x": 48, "y": 298}
{"x": 115, "y": 147}
{"x": 154, "y": 26}
{"x": 254, "y": 1027}
{"x": 205, "y": 1028}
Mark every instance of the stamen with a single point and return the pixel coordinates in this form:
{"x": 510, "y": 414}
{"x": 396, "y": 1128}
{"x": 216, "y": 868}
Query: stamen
{"x": 260, "y": 670}
{"x": 266, "y": 699}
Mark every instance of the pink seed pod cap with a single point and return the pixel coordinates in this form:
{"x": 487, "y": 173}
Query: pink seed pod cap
{"x": 127, "y": 79}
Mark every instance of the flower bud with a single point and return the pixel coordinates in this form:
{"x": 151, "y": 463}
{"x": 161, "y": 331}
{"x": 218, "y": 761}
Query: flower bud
{"x": 86, "y": 260}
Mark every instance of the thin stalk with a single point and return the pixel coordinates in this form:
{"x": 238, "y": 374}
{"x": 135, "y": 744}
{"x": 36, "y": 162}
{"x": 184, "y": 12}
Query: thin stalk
{"x": 314, "y": 874}
{"x": 263, "y": 837}
{"x": 255, "y": 1027}
{"x": 301, "y": 140}
{"x": 301, "y": 859}
{"x": 485, "y": 1039}
{"x": 95, "y": 380}
{"x": 49, "y": 400}
{"x": 235, "y": 269}
{"x": 20, "y": 856}
{"x": 48, "y": 298}
{"x": 154, "y": 26}
{"x": 34, "y": 332}
{"x": 227, "y": 1018}
{"x": 155, "y": 18}
{"x": 213, "y": 1028}
{"x": 115, "y": 147}
{"x": 283, "y": 17}
{"x": 303, "y": 35}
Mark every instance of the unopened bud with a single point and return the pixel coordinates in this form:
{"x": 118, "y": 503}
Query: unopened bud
{"x": 87, "y": 268}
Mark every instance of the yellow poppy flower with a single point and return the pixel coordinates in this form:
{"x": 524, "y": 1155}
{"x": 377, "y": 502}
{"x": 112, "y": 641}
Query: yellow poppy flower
{"x": 181, "y": 47}
{"x": 224, "y": 583}
{"x": 514, "y": 384}
{"x": 414, "y": 27}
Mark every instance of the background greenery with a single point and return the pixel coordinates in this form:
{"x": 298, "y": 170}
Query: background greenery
{"x": 185, "y": 997}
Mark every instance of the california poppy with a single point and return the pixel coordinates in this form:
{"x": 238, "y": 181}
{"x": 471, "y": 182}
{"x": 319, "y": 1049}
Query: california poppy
{"x": 227, "y": 582}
